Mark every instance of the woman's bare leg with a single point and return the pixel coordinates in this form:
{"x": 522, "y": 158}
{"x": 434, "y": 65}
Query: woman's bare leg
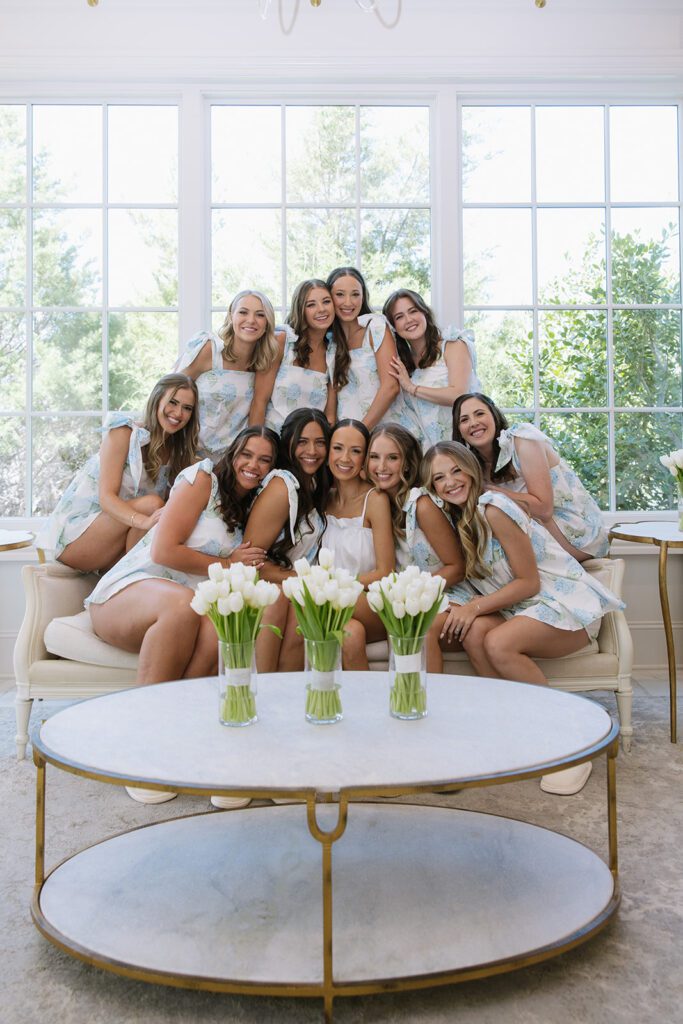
{"x": 268, "y": 644}
{"x": 292, "y": 649}
{"x": 474, "y": 644}
{"x": 106, "y": 540}
{"x": 204, "y": 660}
{"x": 354, "y": 654}
{"x": 512, "y": 646}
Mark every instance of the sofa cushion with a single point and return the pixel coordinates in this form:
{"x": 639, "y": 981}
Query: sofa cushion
{"x": 73, "y": 637}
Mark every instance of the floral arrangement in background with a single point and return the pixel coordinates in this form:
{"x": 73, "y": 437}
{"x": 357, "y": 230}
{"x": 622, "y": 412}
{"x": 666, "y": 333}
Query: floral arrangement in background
{"x": 674, "y": 463}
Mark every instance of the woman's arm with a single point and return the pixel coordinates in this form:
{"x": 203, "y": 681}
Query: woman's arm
{"x": 202, "y": 362}
{"x": 443, "y": 539}
{"x": 388, "y": 386}
{"x": 378, "y": 516}
{"x": 113, "y": 456}
{"x": 180, "y": 516}
{"x": 331, "y": 404}
{"x": 268, "y": 517}
{"x": 264, "y": 382}
{"x": 459, "y": 364}
{"x": 538, "y": 500}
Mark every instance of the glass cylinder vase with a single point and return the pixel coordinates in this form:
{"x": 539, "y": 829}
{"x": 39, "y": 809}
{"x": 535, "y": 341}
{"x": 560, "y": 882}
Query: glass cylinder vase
{"x": 680, "y": 508}
{"x": 322, "y": 667}
{"x": 407, "y": 677}
{"x": 236, "y": 683}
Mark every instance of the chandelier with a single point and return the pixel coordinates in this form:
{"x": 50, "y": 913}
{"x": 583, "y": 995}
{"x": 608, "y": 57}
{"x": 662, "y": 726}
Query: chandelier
{"x": 365, "y": 5}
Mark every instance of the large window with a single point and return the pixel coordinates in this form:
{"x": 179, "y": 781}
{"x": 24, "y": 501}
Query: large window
{"x": 572, "y": 282}
{"x": 88, "y": 282}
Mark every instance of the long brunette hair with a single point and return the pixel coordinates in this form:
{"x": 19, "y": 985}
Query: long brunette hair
{"x": 234, "y": 509}
{"x": 432, "y": 334}
{"x": 342, "y": 359}
{"x": 177, "y": 450}
{"x": 506, "y": 472}
{"x": 411, "y": 453}
{"x": 469, "y": 523}
{"x": 297, "y": 318}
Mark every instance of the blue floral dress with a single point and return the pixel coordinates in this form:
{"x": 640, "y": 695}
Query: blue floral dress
{"x": 354, "y": 400}
{"x": 210, "y": 536}
{"x": 575, "y": 511}
{"x": 79, "y": 506}
{"x": 298, "y": 387}
{"x": 568, "y": 598}
{"x": 305, "y": 539}
{"x": 416, "y": 549}
{"x": 224, "y": 396}
{"x": 427, "y": 421}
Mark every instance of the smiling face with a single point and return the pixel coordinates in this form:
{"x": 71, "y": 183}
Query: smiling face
{"x": 409, "y": 321}
{"x": 347, "y": 295}
{"x": 311, "y": 448}
{"x": 449, "y": 480}
{"x": 252, "y": 464}
{"x": 175, "y": 409}
{"x": 385, "y": 463}
{"x": 347, "y": 453}
{"x": 476, "y": 424}
{"x": 249, "y": 319}
{"x": 318, "y": 309}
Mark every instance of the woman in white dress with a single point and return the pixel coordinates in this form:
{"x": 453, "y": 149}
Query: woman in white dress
{"x": 302, "y": 375}
{"x": 534, "y": 600}
{"x": 118, "y": 495}
{"x": 524, "y": 464}
{"x": 224, "y": 367}
{"x": 365, "y": 350}
{"x": 432, "y": 366}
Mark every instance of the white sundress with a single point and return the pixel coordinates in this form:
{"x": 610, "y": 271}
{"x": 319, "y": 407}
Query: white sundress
{"x": 210, "y": 536}
{"x": 80, "y": 506}
{"x": 225, "y": 396}
{"x": 428, "y": 421}
{"x": 298, "y": 387}
{"x": 354, "y": 400}
{"x": 575, "y": 511}
{"x": 416, "y": 549}
{"x": 305, "y": 539}
{"x": 350, "y": 542}
{"x": 568, "y": 598}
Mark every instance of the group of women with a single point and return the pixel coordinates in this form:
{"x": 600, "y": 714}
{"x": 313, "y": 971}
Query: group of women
{"x": 362, "y": 433}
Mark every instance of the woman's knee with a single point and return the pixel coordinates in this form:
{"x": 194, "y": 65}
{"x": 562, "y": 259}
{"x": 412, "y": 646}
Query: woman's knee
{"x": 148, "y": 503}
{"x": 354, "y": 636}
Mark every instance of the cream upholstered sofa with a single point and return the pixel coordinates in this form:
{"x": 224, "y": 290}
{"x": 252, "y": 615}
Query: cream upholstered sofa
{"x": 57, "y": 655}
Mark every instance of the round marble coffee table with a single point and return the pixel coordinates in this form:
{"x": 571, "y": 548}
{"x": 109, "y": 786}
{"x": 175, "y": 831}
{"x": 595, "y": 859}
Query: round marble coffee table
{"x": 237, "y": 901}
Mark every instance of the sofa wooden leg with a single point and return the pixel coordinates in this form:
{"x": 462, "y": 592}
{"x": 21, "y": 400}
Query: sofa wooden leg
{"x": 23, "y": 710}
{"x": 624, "y": 707}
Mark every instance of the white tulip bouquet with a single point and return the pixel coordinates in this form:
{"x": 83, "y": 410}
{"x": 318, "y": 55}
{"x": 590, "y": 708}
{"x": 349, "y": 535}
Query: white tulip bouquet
{"x": 674, "y": 463}
{"x": 407, "y": 603}
{"x": 323, "y": 599}
{"x": 234, "y": 600}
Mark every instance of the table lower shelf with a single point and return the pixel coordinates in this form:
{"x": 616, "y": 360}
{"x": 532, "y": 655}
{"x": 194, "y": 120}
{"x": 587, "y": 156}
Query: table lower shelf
{"x": 233, "y": 901}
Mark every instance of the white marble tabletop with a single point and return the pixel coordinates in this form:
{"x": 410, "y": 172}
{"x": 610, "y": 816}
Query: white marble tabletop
{"x": 169, "y": 734}
{"x": 654, "y": 530}
{"x": 10, "y": 539}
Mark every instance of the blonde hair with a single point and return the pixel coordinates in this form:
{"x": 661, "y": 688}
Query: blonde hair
{"x": 266, "y": 348}
{"x": 469, "y": 523}
{"x": 411, "y": 455}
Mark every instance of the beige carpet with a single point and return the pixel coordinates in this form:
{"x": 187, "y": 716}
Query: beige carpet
{"x": 629, "y": 973}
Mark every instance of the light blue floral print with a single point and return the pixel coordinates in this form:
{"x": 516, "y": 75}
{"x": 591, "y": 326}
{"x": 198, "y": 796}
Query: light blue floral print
{"x": 297, "y": 387}
{"x": 304, "y": 539}
{"x": 354, "y": 400}
{"x": 416, "y": 549}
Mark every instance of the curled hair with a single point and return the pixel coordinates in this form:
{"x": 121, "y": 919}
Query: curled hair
{"x": 411, "y": 456}
{"x": 313, "y": 491}
{"x": 234, "y": 509}
{"x": 297, "y": 319}
{"x": 177, "y": 450}
{"x": 506, "y": 472}
{"x": 469, "y": 523}
{"x": 266, "y": 349}
{"x": 433, "y": 337}
{"x": 342, "y": 358}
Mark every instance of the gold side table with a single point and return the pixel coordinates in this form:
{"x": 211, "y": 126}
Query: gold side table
{"x": 13, "y": 539}
{"x": 664, "y": 536}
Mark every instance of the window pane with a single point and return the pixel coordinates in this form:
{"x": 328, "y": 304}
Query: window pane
{"x": 67, "y": 154}
{"x": 12, "y": 361}
{"x": 497, "y": 247}
{"x": 642, "y": 481}
{"x": 645, "y": 256}
{"x": 317, "y": 242}
{"x": 505, "y": 356}
{"x": 570, "y": 154}
{"x": 571, "y": 256}
{"x": 12, "y": 257}
{"x": 394, "y": 154}
{"x": 12, "y": 466}
{"x": 12, "y": 154}
{"x": 67, "y": 361}
{"x": 573, "y": 358}
{"x": 142, "y": 348}
{"x": 321, "y": 154}
{"x": 143, "y": 154}
{"x": 143, "y": 257}
{"x": 245, "y": 154}
{"x": 246, "y": 254}
{"x": 395, "y": 246}
{"x": 647, "y": 357}
{"x": 496, "y": 153}
{"x": 67, "y": 257}
{"x": 61, "y": 446}
{"x": 644, "y": 154}
{"x": 582, "y": 439}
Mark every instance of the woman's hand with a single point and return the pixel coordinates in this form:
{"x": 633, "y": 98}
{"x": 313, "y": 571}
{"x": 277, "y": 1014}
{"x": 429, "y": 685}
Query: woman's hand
{"x": 398, "y": 370}
{"x": 459, "y": 619}
{"x": 146, "y": 523}
{"x": 248, "y": 554}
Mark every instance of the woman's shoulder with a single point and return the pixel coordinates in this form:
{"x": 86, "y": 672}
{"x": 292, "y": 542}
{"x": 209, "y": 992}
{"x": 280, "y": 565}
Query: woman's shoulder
{"x": 115, "y": 420}
{"x": 279, "y": 480}
{"x": 376, "y": 326}
{"x": 518, "y": 432}
{"x": 510, "y": 508}
{"x": 191, "y": 473}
